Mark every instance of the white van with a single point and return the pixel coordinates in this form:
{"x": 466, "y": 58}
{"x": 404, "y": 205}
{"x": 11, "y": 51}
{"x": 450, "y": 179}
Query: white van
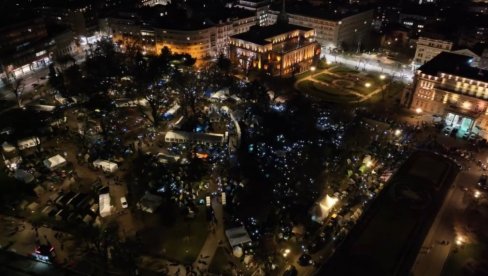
{"x": 28, "y": 143}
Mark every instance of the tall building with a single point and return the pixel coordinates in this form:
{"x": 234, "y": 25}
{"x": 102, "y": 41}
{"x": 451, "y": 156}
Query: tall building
{"x": 281, "y": 49}
{"x": 449, "y": 86}
{"x": 335, "y": 28}
{"x": 259, "y": 6}
{"x": 428, "y": 48}
{"x": 26, "y": 46}
{"x": 81, "y": 17}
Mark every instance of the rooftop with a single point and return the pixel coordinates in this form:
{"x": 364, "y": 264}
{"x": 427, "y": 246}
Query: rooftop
{"x": 177, "y": 18}
{"x": 454, "y": 64}
{"x": 321, "y": 12}
{"x": 259, "y": 35}
{"x": 403, "y": 213}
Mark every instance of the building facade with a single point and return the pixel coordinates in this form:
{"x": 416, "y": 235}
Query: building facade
{"x": 279, "y": 49}
{"x": 202, "y": 40}
{"x": 332, "y": 30}
{"x": 259, "y": 6}
{"x": 428, "y": 48}
{"x": 449, "y": 86}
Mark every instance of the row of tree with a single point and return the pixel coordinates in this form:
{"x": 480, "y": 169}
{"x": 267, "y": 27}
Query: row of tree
{"x": 159, "y": 79}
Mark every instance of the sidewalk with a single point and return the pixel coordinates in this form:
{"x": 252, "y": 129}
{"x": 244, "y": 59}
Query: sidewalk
{"x": 24, "y": 241}
{"x": 214, "y": 239}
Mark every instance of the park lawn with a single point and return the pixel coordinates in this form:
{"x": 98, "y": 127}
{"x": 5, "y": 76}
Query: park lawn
{"x": 325, "y": 78}
{"x": 392, "y": 91}
{"x": 326, "y": 93}
{"x": 455, "y": 262}
{"x": 184, "y": 239}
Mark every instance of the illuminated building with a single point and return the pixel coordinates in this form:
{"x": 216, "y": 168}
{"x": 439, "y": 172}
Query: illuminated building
{"x": 450, "y": 86}
{"x": 278, "y": 49}
{"x": 201, "y": 37}
{"x": 333, "y": 28}
{"x": 26, "y": 46}
{"x": 259, "y": 6}
{"x": 427, "y": 48}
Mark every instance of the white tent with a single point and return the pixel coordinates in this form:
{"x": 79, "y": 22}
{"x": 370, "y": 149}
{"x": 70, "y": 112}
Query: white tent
{"x": 54, "y": 162}
{"x": 104, "y": 203}
{"x": 105, "y": 165}
{"x": 220, "y": 95}
{"x": 322, "y": 211}
{"x": 194, "y": 137}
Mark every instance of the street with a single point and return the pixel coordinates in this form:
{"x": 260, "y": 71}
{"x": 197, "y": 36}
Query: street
{"x": 402, "y": 73}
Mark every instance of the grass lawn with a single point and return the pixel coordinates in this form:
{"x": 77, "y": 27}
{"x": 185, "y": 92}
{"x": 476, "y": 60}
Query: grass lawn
{"x": 325, "y": 78}
{"x": 219, "y": 262}
{"x": 455, "y": 262}
{"x": 326, "y": 93}
{"x": 184, "y": 239}
{"x": 391, "y": 92}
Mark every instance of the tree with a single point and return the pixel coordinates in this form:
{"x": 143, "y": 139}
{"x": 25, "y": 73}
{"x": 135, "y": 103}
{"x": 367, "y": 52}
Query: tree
{"x": 189, "y": 86}
{"x": 103, "y": 66}
{"x": 147, "y": 73}
{"x": 16, "y": 86}
{"x": 64, "y": 60}
{"x": 224, "y": 64}
{"x": 73, "y": 81}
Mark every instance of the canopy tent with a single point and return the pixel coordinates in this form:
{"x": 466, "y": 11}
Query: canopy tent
{"x": 149, "y": 203}
{"x": 6, "y": 147}
{"x": 105, "y": 165}
{"x": 104, "y": 203}
{"x": 28, "y": 143}
{"x": 199, "y": 138}
{"x": 220, "y": 95}
{"x": 323, "y": 208}
{"x": 24, "y": 176}
{"x": 237, "y": 236}
{"x": 54, "y": 162}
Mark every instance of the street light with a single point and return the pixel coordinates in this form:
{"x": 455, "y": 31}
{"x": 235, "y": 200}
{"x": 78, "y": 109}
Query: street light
{"x": 313, "y": 68}
{"x": 382, "y": 77}
{"x": 286, "y": 252}
{"x": 477, "y": 194}
{"x": 398, "y": 132}
{"x": 459, "y": 240}
{"x": 418, "y": 110}
{"x": 367, "y": 85}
